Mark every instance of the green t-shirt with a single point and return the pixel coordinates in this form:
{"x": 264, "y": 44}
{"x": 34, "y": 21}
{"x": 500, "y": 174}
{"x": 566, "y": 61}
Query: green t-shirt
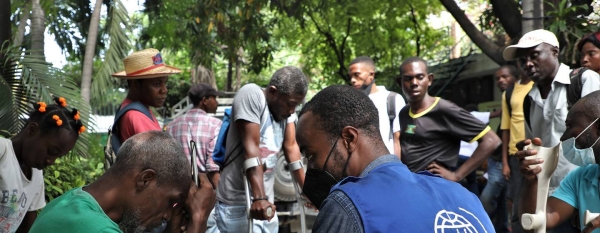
{"x": 74, "y": 211}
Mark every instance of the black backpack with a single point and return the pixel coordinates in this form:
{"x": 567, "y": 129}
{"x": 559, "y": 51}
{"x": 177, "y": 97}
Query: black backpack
{"x": 114, "y": 142}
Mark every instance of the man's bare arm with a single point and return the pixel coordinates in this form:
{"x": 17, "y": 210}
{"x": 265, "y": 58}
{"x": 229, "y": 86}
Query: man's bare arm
{"x": 487, "y": 144}
{"x": 397, "y": 149}
{"x": 250, "y": 135}
{"x": 292, "y": 151}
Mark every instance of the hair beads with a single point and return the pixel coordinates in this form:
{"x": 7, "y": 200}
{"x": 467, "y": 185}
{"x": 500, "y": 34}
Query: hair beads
{"x": 61, "y": 101}
{"x": 81, "y": 129}
{"x": 57, "y": 119}
{"x": 42, "y": 107}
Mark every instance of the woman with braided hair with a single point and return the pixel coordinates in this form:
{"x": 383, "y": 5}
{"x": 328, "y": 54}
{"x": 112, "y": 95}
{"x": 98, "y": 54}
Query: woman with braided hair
{"x": 50, "y": 132}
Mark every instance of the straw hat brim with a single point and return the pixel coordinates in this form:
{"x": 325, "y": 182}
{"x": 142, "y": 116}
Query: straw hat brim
{"x": 154, "y": 73}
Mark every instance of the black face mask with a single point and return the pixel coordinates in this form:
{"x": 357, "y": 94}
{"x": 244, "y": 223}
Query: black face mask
{"x": 318, "y": 183}
{"x": 366, "y": 88}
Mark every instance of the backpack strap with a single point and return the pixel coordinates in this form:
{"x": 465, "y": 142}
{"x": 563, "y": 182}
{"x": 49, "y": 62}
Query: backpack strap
{"x": 574, "y": 89}
{"x": 137, "y": 106}
{"x": 508, "y": 96}
{"x": 391, "y": 110}
{"x": 527, "y": 112}
{"x": 237, "y": 145}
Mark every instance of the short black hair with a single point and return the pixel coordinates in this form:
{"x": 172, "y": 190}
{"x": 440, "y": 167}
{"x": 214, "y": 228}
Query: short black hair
{"x": 411, "y": 60}
{"x": 511, "y": 69}
{"x": 363, "y": 60}
{"x": 589, "y": 106}
{"x": 52, "y": 117}
{"x": 288, "y": 80}
{"x": 155, "y": 150}
{"x": 339, "y": 106}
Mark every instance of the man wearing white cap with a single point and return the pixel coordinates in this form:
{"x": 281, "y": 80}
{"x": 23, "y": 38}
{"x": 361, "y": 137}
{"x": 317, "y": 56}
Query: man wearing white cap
{"x": 146, "y": 76}
{"x": 537, "y": 53}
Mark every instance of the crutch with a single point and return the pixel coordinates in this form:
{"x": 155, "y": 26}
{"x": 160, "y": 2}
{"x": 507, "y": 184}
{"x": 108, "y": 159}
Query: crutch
{"x": 537, "y": 221}
{"x": 250, "y": 163}
{"x": 193, "y": 161}
{"x": 294, "y": 166}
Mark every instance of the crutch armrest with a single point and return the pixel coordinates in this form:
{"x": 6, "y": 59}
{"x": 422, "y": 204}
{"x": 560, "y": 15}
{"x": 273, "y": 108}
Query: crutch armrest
{"x": 251, "y": 162}
{"x": 296, "y": 165}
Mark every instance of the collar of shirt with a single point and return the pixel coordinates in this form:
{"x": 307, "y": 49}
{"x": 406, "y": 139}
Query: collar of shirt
{"x": 593, "y": 176}
{"x": 562, "y": 77}
{"x": 381, "y": 160}
{"x": 197, "y": 111}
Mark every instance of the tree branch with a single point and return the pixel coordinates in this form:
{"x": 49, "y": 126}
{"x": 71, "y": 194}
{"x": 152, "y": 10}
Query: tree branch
{"x": 339, "y": 53}
{"x": 486, "y": 45}
{"x": 417, "y": 34}
{"x": 509, "y": 15}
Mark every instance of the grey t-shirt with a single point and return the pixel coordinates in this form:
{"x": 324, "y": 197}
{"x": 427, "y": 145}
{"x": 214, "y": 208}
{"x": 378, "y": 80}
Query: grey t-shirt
{"x": 249, "y": 105}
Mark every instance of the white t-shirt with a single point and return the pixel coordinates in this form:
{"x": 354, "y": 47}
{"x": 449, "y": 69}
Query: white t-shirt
{"x": 18, "y": 195}
{"x": 379, "y": 98}
{"x": 467, "y": 149}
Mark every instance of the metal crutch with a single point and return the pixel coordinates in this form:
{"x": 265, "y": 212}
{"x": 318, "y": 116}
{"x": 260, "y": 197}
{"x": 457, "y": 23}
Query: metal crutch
{"x": 193, "y": 161}
{"x": 293, "y": 167}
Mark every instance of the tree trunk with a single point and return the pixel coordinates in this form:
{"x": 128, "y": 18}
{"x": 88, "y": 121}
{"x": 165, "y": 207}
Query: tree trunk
{"x": 238, "y": 68}
{"x": 486, "y": 45}
{"x": 5, "y": 33}
{"x": 229, "y": 75}
{"x": 509, "y": 15}
{"x": 22, "y": 23}
{"x": 38, "y": 28}
{"x": 238, "y": 74}
{"x": 533, "y": 14}
{"x": 90, "y": 52}
{"x": 201, "y": 74}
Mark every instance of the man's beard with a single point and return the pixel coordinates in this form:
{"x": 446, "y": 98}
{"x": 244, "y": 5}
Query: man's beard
{"x": 131, "y": 222}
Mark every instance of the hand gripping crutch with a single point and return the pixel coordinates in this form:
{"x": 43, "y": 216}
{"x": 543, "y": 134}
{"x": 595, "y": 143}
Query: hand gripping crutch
{"x": 294, "y": 166}
{"x": 250, "y": 163}
{"x": 550, "y": 155}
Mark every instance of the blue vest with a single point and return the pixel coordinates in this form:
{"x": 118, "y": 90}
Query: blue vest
{"x": 390, "y": 198}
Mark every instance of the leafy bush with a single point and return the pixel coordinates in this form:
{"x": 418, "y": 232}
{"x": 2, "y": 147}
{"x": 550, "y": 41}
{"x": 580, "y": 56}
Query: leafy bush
{"x": 73, "y": 171}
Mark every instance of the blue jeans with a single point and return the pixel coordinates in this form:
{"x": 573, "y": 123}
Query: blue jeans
{"x": 211, "y": 224}
{"x": 493, "y": 196}
{"x": 470, "y": 181}
{"x": 232, "y": 218}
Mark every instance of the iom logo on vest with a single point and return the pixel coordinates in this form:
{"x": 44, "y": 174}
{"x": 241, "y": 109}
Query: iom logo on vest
{"x": 461, "y": 221}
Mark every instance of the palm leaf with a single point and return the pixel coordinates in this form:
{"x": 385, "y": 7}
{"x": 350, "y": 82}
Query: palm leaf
{"x": 27, "y": 79}
{"x": 119, "y": 46}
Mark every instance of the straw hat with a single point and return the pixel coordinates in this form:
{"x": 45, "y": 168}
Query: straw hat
{"x": 147, "y": 63}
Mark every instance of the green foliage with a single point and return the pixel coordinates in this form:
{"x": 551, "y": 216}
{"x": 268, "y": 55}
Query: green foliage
{"x": 29, "y": 79}
{"x": 73, "y": 171}
{"x": 331, "y": 33}
{"x": 564, "y": 14}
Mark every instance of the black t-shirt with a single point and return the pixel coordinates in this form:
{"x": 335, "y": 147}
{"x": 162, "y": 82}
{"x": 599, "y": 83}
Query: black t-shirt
{"x": 435, "y": 134}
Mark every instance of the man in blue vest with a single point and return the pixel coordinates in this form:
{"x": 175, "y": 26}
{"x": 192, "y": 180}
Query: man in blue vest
{"x": 359, "y": 186}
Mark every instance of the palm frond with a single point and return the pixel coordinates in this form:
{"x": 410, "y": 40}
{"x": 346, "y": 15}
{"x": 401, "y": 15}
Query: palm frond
{"x": 27, "y": 79}
{"x": 119, "y": 46}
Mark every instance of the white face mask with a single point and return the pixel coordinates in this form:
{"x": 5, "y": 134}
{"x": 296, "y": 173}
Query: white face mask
{"x": 579, "y": 157}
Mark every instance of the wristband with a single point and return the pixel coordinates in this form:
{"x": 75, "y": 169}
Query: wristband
{"x": 296, "y": 165}
{"x": 260, "y": 199}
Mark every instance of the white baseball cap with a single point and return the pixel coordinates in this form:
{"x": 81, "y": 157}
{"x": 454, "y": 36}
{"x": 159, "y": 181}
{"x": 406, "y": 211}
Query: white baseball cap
{"x": 530, "y": 39}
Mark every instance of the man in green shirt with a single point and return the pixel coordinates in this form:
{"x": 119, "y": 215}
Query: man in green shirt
{"x": 149, "y": 184}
